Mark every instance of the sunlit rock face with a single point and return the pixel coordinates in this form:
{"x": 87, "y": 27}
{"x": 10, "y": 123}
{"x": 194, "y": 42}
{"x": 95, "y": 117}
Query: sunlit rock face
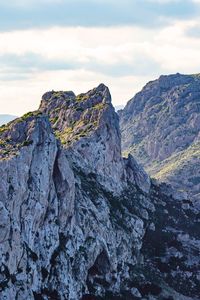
{"x": 78, "y": 221}
{"x": 88, "y": 127}
{"x": 161, "y": 128}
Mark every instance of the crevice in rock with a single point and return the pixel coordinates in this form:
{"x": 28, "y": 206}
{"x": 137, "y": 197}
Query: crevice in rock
{"x": 51, "y": 295}
{"x": 97, "y": 273}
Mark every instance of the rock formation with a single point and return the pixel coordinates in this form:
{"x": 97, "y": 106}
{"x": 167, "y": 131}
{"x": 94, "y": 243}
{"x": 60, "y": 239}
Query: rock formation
{"x": 78, "y": 221}
{"x": 161, "y": 129}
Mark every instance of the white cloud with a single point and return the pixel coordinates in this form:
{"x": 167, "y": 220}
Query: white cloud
{"x": 170, "y": 48}
{"x": 82, "y": 44}
{"x": 24, "y": 96}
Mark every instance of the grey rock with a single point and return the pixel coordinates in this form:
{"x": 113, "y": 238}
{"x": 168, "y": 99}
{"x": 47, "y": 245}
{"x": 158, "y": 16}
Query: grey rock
{"x": 77, "y": 220}
{"x": 137, "y": 174}
{"x": 161, "y": 129}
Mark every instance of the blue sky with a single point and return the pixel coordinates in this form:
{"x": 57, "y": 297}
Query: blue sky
{"x": 76, "y": 44}
{"x": 40, "y": 14}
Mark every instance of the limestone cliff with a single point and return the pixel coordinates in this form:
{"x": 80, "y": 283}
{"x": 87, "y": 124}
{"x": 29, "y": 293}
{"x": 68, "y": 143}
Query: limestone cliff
{"x": 78, "y": 221}
{"x": 161, "y": 128}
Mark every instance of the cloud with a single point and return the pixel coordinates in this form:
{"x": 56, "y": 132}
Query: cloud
{"x": 193, "y": 31}
{"x": 30, "y": 63}
{"x": 114, "y": 52}
{"x": 39, "y": 51}
{"x": 22, "y": 96}
{"x": 72, "y": 59}
{"x": 124, "y": 58}
{"x": 47, "y": 13}
{"x": 21, "y": 67}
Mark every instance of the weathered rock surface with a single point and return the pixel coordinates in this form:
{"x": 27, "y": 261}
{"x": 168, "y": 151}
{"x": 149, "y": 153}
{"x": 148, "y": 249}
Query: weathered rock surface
{"x": 161, "y": 129}
{"x": 80, "y": 222}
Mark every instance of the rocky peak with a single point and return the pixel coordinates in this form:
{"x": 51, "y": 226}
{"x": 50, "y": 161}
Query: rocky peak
{"x": 171, "y": 87}
{"x": 173, "y": 80}
{"x": 22, "y": 132}
{"x": 88, "y": 129}
{"x": 67, "y": 99}
{"x": 73, "y": 117}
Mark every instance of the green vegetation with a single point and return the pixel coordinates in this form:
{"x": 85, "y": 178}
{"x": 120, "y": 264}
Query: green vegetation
{"x": 2, "y": 143}
{"x": 80, "y": 128}
{"x": 62, "y": 135}
{"x": 4, "y": 128}
{"x": 54, "y": 120}
{"x": 8, "y": 146}
{"x": 175, "y": 162}
{"x": 138, "y": 150}
{"x": 28, "y": 115}
{"x": 57, "y": 94}
{"x": 75, "y": 132}
{"x": 99, "y": 106}
{"x": 81, "y": 97}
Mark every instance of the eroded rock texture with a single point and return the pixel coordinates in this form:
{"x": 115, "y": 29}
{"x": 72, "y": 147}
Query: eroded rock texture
{"x": 80, "y": 222}
{"x": 161, "y": 129}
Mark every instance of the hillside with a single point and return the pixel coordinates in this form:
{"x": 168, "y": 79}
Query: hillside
{"x": 161, "y": 128}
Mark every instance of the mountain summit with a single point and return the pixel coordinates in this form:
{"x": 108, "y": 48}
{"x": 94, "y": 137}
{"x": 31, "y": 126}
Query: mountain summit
{"x": 79, "y": 221}
{"x": 161, "y": 128}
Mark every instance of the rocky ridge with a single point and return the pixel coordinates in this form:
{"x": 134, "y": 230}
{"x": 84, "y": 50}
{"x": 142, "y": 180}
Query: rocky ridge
{"x": 78, "y": 221}
{"x": 161, "y": 129}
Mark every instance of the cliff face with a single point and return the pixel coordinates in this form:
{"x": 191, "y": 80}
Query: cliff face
{"x": 160, "y": 127}
{"x": 80, "y": 222}
{"x": 88, "y": 127}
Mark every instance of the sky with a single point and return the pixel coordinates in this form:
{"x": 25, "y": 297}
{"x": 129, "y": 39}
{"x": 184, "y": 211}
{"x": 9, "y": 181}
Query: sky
{"x": 77, "y": 44}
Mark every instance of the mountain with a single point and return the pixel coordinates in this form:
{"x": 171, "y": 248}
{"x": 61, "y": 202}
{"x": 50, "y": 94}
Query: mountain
{"x": 79, "y": 221}
{"x": 161, "y": 128}
{"x": 6, "y": 118}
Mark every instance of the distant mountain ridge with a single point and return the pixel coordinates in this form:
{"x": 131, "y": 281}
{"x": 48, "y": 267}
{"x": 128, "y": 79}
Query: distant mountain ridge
{"x": 6, "y": 118}
{"x": 161, "y": 128}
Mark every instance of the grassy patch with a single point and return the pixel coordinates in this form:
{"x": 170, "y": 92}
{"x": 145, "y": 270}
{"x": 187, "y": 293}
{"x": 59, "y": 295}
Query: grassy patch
{"x": 178, "y": 161}
{"x": 81, "y": 97}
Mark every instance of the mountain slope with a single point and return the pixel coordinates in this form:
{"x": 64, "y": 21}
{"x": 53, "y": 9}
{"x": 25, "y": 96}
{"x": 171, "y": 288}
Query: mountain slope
{"x": 78, "y": 221}
{"x": 160, "y": 127}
